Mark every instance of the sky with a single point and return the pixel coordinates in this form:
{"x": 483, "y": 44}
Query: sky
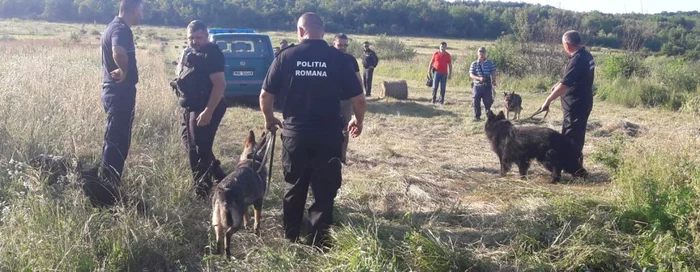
{"x": 620, "y": 6}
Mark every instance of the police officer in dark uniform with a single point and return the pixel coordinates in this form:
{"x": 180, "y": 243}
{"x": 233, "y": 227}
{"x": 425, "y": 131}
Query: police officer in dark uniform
{"x": 369, "y": 62}
{"x": 120, "y": 76}
{"x": 204, "y": 105}
{"x": 315, "y": 78}
{"x": 340, "y": 42}
{"x": 575, "y": 89}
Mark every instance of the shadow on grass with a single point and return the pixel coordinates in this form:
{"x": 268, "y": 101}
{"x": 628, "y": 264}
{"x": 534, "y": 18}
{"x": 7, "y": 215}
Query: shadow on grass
{"x": 485, "y": 170}
{"x": 443, "y": 242}
{"x": 409, "y": 108}
{"x": 246, "y": 102}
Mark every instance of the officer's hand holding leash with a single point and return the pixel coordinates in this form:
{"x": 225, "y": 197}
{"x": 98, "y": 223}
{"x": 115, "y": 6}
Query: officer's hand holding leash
{"x": 548, "y": 100}
{"x": 355, "y": 127}
{"x": 271, "y": 123}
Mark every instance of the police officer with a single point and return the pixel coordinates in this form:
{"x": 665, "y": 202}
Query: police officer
{"x": 483, "y": 73}
{"x": 340, "y": 42}
{"x": 120, "y": 76}
{"x": 575, "y": 89}
{"x": 205, "y": 106}
{"x": 369, "y": 62}
{"x": 315, "y": 77}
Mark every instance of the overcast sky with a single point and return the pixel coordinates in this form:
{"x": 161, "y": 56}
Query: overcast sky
{"x": 620, "y": 6}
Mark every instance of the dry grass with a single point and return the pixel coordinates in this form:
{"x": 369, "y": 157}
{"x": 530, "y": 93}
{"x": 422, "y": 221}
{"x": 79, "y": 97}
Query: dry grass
{"x": 421, "y": 190}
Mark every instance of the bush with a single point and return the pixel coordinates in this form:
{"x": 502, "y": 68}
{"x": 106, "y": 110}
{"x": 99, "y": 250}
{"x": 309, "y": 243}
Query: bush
{"x": 614, "y": 66}
{"x": 636, "y": 92}
{"x": 388, "y": 48}
{"x": 505, "y": 54}
{"x": 675, "y": 73}
{"x": 74, "y": 37}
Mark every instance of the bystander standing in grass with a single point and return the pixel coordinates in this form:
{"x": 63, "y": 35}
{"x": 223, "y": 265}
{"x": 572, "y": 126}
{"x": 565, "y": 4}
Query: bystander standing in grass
{"x": 441, "y": 63}
{"x": 483, "y": 73}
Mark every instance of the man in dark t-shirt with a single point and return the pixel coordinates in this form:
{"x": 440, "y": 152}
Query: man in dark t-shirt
{"x": 575, "y": 89}
{"x": 314, "y": 78}
{"x": 203, "y": 113}
{"x": 120, "y": 76}
{"x": 341, "y": 43}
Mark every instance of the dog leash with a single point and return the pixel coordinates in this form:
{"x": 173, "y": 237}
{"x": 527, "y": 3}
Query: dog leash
{"x": 540, "y": 110}
{"x": 271, "y": 149}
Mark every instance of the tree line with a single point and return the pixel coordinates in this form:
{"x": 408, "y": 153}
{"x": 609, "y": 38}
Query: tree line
{"x": 665, "y": 33}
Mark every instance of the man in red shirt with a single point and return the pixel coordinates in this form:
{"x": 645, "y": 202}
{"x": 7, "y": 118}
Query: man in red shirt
{"x": 441, "y": 63}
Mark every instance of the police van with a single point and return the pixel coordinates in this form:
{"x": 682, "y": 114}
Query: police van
{"x": 248, "y": 57}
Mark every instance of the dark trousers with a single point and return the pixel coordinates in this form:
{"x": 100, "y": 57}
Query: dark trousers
{"x": 482, "y": 93}
{"x": 199, "y": 142}
{"x": 574, "y": 126}
{"x": 367, "y": 80}
{"x": 439, "y": 79}
{"x": 311, "y": 160}
{"x": 119, "y": 101}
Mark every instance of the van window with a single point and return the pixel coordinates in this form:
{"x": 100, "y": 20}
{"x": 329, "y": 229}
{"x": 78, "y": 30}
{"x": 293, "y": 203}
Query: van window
{"x": 243, "y": 47}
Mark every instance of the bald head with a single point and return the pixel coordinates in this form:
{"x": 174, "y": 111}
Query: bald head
{"x": 310, "y": 26}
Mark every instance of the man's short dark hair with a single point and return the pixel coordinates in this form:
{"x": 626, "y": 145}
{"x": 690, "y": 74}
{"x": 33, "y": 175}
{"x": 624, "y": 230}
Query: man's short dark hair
{"x": 443, "y": 43}
{"x": 341, "y": 36}
{"x": 129, "y": 5}
{"x": 196, "y": 25}
{"x": 572, "y": 37}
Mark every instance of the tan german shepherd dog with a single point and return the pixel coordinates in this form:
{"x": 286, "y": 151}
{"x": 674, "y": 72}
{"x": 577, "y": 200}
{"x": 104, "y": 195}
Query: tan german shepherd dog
{"x": 246, "y": 186}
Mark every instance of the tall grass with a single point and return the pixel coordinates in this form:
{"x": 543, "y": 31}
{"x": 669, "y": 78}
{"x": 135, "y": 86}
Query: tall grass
{"x": 667, "y": 82}
{"x": 411, "y": 195}
{"x": 659, "y": 194}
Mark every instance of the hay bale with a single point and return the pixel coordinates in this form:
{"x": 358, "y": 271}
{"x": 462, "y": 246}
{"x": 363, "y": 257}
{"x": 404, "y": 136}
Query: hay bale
{"x": 397, "y": 89}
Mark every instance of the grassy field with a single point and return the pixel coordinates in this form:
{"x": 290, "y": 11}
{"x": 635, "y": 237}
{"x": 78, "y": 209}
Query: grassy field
{"x": 421, "y": 191}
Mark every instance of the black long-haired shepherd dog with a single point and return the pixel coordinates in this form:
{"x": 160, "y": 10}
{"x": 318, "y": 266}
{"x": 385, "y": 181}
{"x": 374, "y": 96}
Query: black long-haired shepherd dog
{"x": 520, "y": 145}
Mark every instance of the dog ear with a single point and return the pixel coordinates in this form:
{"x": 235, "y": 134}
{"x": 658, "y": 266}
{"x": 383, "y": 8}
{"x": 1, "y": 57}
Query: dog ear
{"x": 500, "y": 115}
{"x": 489, "y": 114}
{"x": 250, "y": 141}
{"x": 512, "y": 93}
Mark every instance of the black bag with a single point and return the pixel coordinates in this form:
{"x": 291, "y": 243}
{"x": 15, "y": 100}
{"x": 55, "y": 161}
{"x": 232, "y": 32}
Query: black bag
{"x": 487, "y": 79}
{"x": 190, "y": 86}
{"x": 429, "y": 78}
